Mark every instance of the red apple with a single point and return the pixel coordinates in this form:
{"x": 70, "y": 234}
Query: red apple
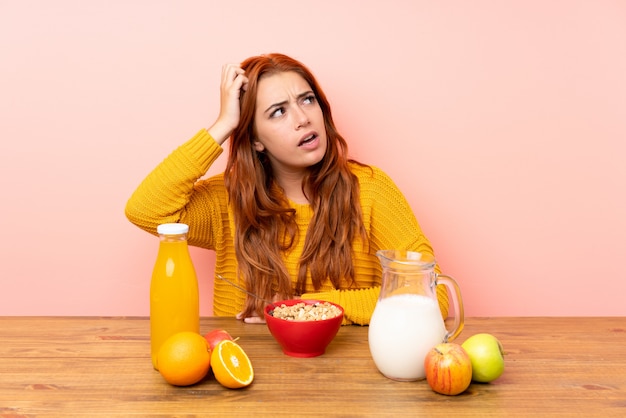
{"x": 448, "y": 369}
{"x": 213, "y": 337}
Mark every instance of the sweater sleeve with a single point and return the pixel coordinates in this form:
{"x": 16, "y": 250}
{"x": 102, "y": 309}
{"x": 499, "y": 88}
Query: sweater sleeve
{"x": 359, "y": 304}
{"x": 166, "y": 194}
{"x": 394, "y": 225}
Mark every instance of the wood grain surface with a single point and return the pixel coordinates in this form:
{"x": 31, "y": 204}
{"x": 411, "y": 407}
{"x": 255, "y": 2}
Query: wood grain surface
{"x": 92, "y": 366}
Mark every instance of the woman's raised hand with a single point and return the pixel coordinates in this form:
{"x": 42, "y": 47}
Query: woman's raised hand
{"x": 233, "y": 82}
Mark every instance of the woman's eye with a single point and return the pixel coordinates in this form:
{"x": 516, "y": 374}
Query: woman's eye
{"x": 278, "y": 112}
{"x": 309, "y": 99}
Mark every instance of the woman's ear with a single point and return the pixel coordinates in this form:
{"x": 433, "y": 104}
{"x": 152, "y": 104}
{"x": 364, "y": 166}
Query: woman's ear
{"x": 258, "y": 146}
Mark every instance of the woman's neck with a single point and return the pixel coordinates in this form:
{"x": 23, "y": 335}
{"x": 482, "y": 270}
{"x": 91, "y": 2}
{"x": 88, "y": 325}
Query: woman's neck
{"x": 291, "y": 184}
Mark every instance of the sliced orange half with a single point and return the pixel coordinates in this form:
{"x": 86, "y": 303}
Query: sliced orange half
{"x": 231, "y": 365}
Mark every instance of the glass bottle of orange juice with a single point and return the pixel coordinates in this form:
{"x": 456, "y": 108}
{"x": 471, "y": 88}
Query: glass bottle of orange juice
{"x": 174, "y": 301}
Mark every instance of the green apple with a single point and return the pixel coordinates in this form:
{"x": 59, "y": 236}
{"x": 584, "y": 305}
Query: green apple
{"x": 487, "y": 356}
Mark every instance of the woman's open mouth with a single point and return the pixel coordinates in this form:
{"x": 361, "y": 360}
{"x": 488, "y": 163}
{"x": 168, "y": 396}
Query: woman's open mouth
{"x": 307, "y": 139}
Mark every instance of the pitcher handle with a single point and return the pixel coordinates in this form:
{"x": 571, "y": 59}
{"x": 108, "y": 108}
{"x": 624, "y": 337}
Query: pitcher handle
{"x": 455, "y": 292}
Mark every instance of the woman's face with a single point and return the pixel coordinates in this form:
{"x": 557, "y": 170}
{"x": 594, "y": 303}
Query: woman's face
{"x": 288, "y": 123}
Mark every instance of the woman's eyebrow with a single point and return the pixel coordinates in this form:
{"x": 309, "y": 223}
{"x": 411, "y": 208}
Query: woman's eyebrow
{"x": 284, "y": 102}
{"x": 279, "y": 104}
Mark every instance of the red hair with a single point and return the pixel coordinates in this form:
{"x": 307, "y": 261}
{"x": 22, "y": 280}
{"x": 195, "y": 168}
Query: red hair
{"x": 265, "y": 224}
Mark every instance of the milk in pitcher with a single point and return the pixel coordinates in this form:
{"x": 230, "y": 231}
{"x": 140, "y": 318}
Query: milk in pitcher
{"x": 402, "y": 330}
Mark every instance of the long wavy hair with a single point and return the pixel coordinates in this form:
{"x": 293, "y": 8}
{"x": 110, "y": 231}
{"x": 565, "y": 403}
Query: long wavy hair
{"x": 265, "y": 225}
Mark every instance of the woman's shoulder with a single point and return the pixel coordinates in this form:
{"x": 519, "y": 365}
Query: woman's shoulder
{"x": 369, "y": 173}
{"x": 376, "y": 187}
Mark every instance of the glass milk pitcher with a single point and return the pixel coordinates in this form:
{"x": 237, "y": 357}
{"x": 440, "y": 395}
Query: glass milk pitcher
{"x": 407, "y": 321}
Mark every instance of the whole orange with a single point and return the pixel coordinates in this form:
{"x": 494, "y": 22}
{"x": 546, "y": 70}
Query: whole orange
{"x": 184, "y": 358}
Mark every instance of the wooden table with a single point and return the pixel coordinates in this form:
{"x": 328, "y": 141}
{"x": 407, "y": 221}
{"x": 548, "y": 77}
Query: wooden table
{"x": 74, "y": 366}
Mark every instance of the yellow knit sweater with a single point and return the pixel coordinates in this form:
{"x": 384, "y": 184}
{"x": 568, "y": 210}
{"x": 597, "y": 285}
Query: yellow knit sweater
{"x": 175, "y": 192}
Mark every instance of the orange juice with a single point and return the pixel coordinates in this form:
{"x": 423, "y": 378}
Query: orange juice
{"x": 174, "y": 301}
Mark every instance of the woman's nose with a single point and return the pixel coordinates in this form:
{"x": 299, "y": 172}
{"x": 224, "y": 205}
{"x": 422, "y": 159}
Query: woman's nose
{"x": 301, "y": 118}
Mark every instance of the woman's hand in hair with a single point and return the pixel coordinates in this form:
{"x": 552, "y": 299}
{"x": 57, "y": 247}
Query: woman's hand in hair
{"x": 233, "y": 83}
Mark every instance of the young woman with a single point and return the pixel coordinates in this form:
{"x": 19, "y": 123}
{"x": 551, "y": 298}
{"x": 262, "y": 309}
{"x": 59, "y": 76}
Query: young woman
{"x": 292, "y": 215}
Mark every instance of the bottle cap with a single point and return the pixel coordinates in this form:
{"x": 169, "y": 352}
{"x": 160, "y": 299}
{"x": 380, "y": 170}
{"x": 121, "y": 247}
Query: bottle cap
{"x": 172, "y": 229}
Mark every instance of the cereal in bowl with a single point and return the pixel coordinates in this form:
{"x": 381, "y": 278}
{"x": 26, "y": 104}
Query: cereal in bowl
{"x": 306, "y": 312}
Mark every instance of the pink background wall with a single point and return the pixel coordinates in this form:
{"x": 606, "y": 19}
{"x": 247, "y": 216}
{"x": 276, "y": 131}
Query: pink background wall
{"x": 503, "y": 122}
